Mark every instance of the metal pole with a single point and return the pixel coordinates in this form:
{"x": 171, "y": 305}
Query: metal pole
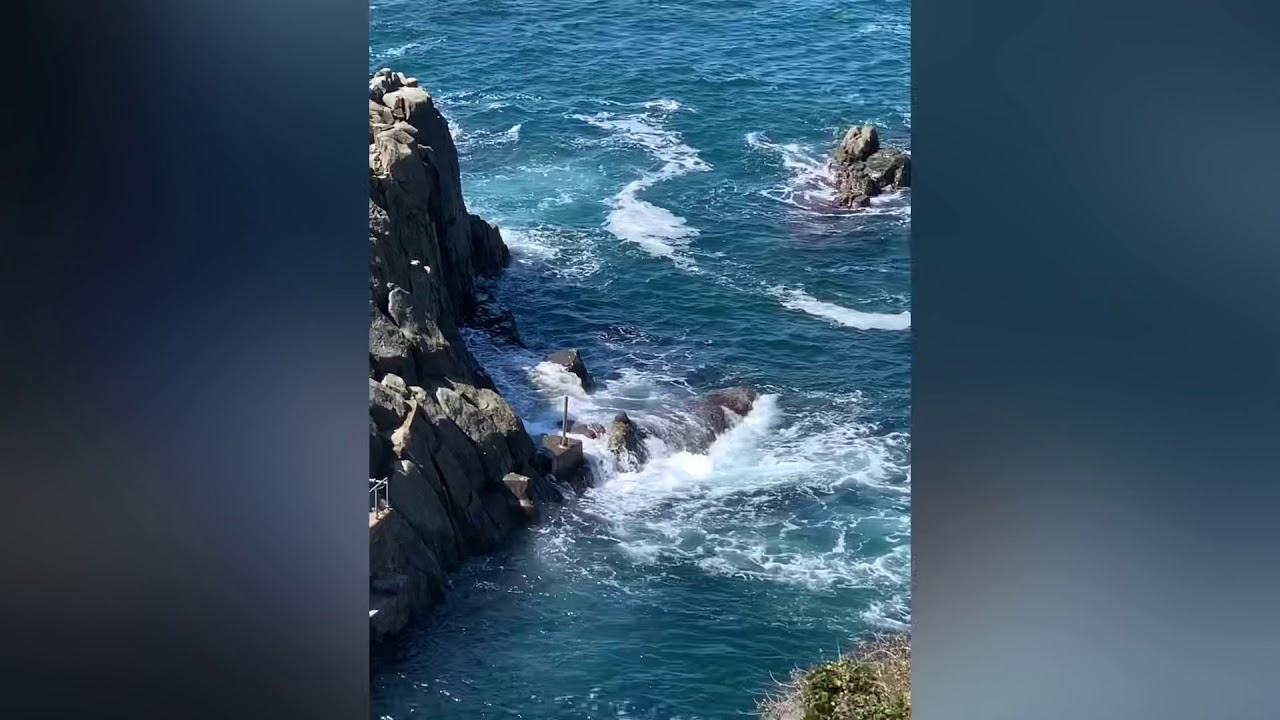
{"x": 564, "y": 428}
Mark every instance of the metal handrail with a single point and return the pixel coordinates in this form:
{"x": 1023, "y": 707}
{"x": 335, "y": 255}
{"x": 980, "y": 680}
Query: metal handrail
{"x": 377, "y": 487}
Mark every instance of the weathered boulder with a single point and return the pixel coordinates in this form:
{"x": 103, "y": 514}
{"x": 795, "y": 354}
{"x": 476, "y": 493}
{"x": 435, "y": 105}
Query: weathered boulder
{"x": 857, "y": 144}
{"x": 626, "y": 442}
{"x": 519, "y": 485}
{"x": 711, "y": 408}
{"x": 387, "y": 409}
{"x": 571, "y": 360}
{"x": 591, "y": 430}
{"x": 863, "y": 169}
{"x": 396, "y": 384}
{"x": 491, "y": 315}
{"x": 889, "y": 168}
{"x": 739, "y": 399}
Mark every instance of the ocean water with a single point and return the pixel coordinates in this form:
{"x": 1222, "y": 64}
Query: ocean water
{"x": 658, "y": 170}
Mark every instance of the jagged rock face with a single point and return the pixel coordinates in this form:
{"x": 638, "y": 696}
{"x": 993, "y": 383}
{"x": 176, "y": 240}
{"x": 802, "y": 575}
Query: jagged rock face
{"x": 864, "y": 170}
{"x": 439, "y": 433}
{"x": 626, "y": 442}
{"x": 571, "y": 360}
{"x": 591, "y": 430}
{"x": 718, "y": 408}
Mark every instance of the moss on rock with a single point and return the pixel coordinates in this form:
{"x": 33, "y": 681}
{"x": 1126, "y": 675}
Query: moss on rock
{"x": 871, "y": 683}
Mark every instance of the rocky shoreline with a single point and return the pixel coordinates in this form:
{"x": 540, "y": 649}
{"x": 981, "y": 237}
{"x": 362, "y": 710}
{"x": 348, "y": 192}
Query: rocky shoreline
{"x": 453, "y": 472}
{"x": 457, "y": 469}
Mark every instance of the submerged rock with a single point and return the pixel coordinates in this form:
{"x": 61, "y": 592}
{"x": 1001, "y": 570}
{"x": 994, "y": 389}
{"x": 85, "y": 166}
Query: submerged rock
{"x": 863, "y": 169}
{"x": 591, "y": 430}
{"x": 571, "y": 360}
{"x": 491, "y": 315}
{"x": 626, "y": 442}
{"x": 711, "y": 409}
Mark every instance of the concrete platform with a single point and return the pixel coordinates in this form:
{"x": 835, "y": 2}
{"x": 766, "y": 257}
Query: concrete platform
{"x": 565, "y": 460}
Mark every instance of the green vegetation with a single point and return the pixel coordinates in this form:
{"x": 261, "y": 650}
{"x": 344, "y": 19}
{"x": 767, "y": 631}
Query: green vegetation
{"x": 871, "y": 683}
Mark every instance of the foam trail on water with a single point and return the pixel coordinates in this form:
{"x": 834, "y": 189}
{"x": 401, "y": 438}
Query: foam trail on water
{"x": 657, "y": 230}
{"x": 468, "y": 140}
{"x": 848, "y": 317}
{"x": 809, "y": 182}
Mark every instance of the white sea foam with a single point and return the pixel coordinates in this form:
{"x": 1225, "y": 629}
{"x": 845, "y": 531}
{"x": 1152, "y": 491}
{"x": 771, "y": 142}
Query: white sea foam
{"x": 809, "y": 180}
{"x": 848, "y": 317}
{"x": 657, "y": 230}
{"x": 469, "y": 140}
{"x": 732, "y": 509}
{"x": 565, "y": 252}
{"x": 395, "y": 52}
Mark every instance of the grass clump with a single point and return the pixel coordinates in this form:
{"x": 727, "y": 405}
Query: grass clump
{"x": 871, "y": 683}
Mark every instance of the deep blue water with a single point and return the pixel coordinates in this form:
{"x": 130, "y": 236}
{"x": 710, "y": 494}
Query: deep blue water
{"x": 657, "y": 170}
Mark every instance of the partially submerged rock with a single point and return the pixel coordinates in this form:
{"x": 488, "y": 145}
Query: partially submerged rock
{"x": 720, "y": 408}
{"x": 863, "y": 169}
{"x": 571, "y": 360}
{"x": 626, "y": 442}
{"x": 491, "y": 315}
{"x": 591, "y": 430}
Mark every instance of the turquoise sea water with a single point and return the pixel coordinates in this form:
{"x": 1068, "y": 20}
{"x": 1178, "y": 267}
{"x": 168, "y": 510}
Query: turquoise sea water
{"x": 657, "y": 170}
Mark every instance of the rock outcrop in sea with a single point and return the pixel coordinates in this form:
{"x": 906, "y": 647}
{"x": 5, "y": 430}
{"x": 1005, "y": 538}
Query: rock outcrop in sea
{"x": 460, "y": 471}
{"x": 863, "y": 169}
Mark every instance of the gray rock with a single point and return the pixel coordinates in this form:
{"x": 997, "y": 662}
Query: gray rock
{"x": 863, "y": 169}
{"x": 387, "y": 409}
{"x": 626, "y": 442}
{"x": 438, "y": 431}
{"x": 889, "y": 169}
{"x": 591, "y": 430}
{"x": 739, "y": 399}
{"x": 395, "y": 550}
{"x": 400, "y": 308}
{"x": 711, "y": 408}
{"x": 389, "y": 583}
{"x": 390, "y": 350}
{"x": 491, "y": 315}
{"x": 396, "y": 384}
{"x": 379, "y": 452}
{"x": 418, "y": 498}
{"x": 858, "y": 144}
{"x": 571, "y": 360}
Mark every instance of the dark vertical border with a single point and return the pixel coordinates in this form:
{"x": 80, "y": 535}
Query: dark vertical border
{"x": 184, "y": 360}
{"x": 1095, "y": 377}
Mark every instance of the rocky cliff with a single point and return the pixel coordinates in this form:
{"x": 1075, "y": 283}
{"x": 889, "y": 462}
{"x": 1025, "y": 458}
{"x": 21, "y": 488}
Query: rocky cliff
{"x": 863, "y": 169}
{"x": 452, "y": 470}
